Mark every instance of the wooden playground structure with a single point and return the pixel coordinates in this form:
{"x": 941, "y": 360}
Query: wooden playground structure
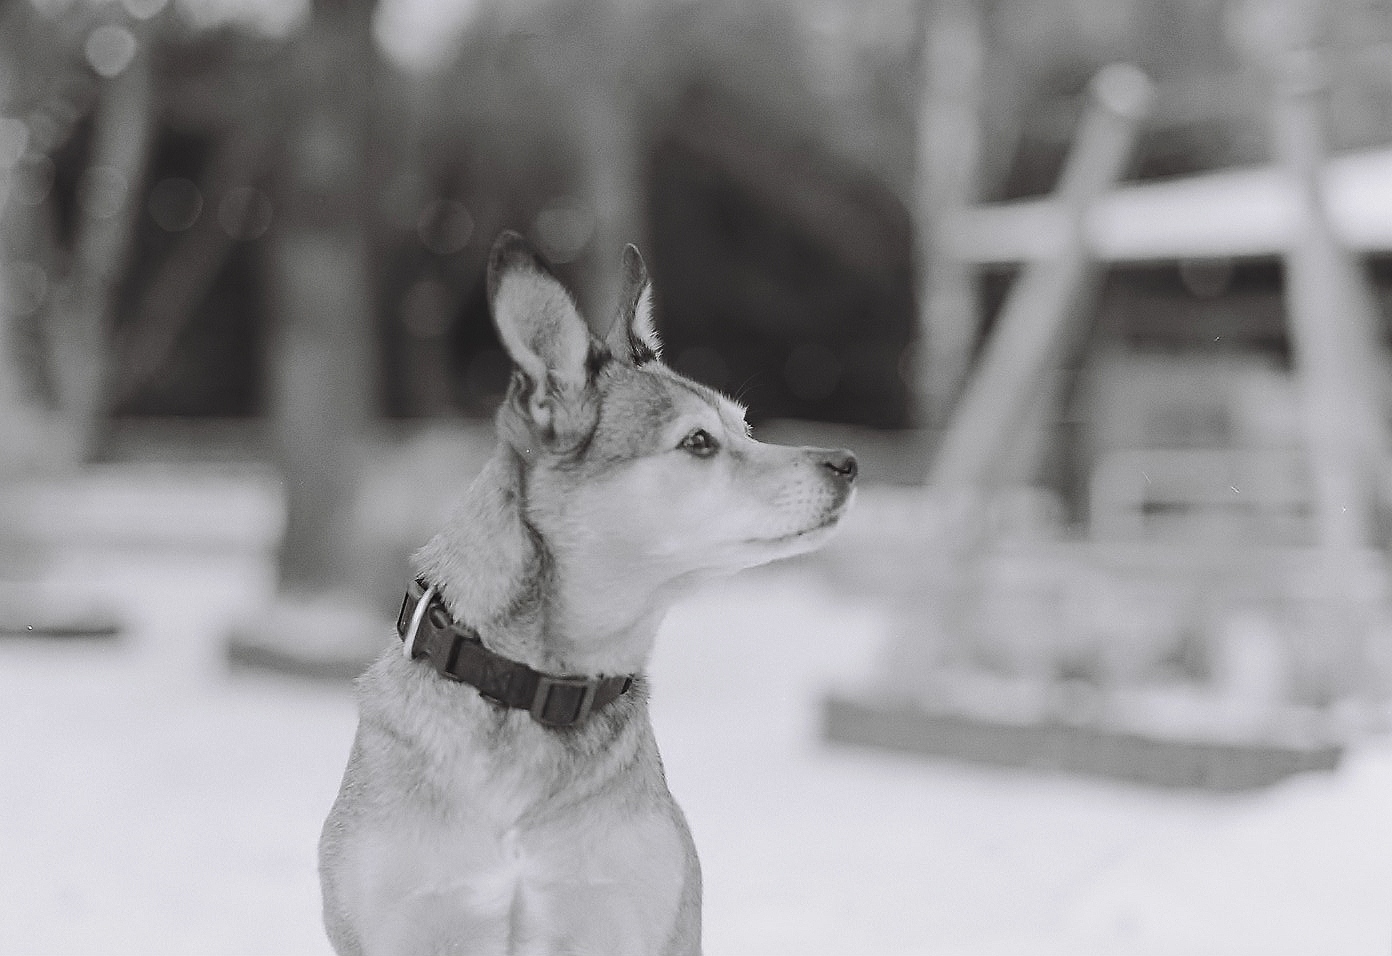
{"x": 1220, "y": 619}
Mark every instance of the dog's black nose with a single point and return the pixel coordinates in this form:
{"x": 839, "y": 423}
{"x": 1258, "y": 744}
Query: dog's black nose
{"x": 842, "y": 464}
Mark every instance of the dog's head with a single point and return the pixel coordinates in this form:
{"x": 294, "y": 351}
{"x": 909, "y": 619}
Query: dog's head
{"x": 632, "y": 473}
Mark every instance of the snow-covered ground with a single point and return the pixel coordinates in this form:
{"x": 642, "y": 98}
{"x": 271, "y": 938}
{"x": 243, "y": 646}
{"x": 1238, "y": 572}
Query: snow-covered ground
{"x": 151, "y": 801}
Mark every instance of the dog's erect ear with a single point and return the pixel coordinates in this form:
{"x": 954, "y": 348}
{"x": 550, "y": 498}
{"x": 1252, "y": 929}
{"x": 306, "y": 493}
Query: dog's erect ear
{"x": 632, "y": 337}
{"x": 542, "y": 331}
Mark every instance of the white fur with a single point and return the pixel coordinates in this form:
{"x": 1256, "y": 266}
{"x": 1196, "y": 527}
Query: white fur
{"x": 643, "y": 324}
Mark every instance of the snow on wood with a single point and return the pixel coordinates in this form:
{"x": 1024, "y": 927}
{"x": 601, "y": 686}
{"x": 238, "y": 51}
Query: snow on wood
{"x": 1231, "y": 213}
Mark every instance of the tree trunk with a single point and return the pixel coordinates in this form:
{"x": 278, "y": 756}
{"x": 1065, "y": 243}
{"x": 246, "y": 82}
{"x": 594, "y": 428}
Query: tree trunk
{"x": 108, "y": 205}
{"x": 321, "y": 368}
{"x": 321, "y": 362}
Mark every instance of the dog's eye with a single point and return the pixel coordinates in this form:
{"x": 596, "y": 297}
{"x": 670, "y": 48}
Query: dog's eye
{"x": 700, "y": 443}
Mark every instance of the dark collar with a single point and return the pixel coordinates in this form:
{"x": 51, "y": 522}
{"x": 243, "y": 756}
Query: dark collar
{"x": 427, "y": 631}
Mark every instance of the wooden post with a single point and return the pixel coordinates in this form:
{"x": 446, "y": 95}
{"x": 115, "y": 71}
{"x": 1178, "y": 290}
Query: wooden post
{"x": 948, "y": 160}
{"x": 1041, "y": 315}
{"x": 1333, "y": 323}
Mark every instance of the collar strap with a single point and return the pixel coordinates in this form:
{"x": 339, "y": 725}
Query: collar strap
{"x": 427, "y": 631}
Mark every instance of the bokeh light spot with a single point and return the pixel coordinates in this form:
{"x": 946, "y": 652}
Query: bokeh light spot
{"x": 271, "y": 18}
{"x": 26, "y": 288}
{"x": 563, "y": 230}
{"x": 14, "y": 140}
{"x": 32, "y": 179}
{"x": 445, "y": 226}
{"x": 43, "y": 131}
{"x": 110, "y": 49}
{"x": 101, "y": 191}
{"x": 51, "y": 8}
{"x": 175, "y": 204}
{"x": 245, "y": 213}
{"x": 144, "y": 9}
{"x": 1206, "y": 278}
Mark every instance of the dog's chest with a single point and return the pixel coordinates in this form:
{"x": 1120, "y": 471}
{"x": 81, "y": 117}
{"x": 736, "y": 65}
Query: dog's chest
{"x": 596, "y": 880}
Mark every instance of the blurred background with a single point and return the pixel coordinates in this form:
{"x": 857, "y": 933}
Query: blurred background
{"x": 1096, "y": 289}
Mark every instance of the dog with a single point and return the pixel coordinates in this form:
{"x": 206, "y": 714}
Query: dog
{"x": 504, "y": 793}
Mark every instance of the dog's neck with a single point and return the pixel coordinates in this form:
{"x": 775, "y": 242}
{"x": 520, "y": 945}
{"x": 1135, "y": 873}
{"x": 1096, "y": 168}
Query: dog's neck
{"x": 498, "y": 576}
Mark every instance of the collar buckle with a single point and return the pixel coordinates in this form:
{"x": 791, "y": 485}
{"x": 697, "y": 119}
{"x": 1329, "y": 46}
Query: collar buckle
{"x": 408, "y": 636}
{"x": 543, "y": 709}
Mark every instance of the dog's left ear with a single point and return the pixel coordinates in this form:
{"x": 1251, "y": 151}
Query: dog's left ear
{"x": 544, "y": 334}
{"x": 632, "y": 337}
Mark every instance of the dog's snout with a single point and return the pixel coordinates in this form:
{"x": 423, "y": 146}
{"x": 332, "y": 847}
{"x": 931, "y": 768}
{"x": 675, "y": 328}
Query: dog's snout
{"x": 842, "y": 464}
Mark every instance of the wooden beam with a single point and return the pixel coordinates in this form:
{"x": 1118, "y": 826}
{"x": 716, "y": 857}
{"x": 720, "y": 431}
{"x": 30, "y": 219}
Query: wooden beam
{"x": 1232, "y": 213}
{"x": 1039, "y": 318}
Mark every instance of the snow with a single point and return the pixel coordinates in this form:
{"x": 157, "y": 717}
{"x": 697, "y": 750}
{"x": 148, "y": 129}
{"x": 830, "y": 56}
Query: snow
{"x": 151, "y": 801}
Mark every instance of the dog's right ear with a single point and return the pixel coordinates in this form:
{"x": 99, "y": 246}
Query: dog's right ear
{"x": 544, "y": 334}
{"x": 632, "y": 338}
